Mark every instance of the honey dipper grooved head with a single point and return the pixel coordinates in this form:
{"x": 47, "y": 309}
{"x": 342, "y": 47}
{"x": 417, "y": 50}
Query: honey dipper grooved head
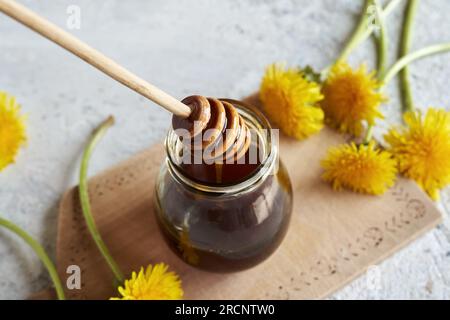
{"x": 213, "y": 126}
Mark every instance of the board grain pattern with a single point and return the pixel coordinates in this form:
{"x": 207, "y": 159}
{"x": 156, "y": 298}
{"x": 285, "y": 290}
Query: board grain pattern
{"x": 333, "y": 237}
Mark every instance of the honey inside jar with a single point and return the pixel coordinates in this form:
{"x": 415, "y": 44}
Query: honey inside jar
{"x": 225, "y": 173}
{"x": 225, "y": 217}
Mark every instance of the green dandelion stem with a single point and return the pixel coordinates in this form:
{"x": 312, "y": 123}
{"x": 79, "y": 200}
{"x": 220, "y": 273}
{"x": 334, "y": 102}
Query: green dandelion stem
{"x": 362, "y": 31}
{"x": 84, "y": 197}
{"x": 369, "y": 134}
{"x": 386, "y": 12}
{"x": 382, "y": 52}
{"x": 39, "y": 250}
{"x": 357, "y": 33}
{"x": 382, "y": 40}
{"x": 411, "y": 57}
{"x": 405, "y": 44}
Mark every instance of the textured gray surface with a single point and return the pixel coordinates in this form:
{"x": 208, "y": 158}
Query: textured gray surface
{"x": 217, "y": 48}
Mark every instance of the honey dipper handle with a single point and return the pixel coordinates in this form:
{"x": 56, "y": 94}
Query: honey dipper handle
{"x": 92, "y": 56}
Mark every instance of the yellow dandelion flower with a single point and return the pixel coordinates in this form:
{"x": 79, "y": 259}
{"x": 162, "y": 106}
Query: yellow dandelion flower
{"x": 12, "y": 129}
{"x": 291, "y": 101}
{"x": 422, "y": 149}
{"x": 155, "y": 283}
{"x": 351, "y": 97}
{"x": 363, "y": 168}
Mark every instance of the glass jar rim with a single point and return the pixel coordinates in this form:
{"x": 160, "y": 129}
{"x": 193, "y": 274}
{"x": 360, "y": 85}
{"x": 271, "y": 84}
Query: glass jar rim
{"x": 265, "y": 168}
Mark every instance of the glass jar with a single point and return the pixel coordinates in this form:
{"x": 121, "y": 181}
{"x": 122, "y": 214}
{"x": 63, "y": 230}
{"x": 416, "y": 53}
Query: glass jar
{"x": 229, "y": 225}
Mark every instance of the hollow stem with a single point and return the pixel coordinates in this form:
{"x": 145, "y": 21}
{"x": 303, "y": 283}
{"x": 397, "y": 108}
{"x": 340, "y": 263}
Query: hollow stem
{"x": 405, "y": 44}
{"x": 369, "y": 135}
{"x": 411, "y": 57}
{"x": 357, "y": 33}
{"x": 382, "y": 40}
{"x": 382, "y": 52}
{"x": 39, "y": 250}
{"x": 362, "y": 31}
{"x": 85, "y": 203}
{"x": 385, "y": 13}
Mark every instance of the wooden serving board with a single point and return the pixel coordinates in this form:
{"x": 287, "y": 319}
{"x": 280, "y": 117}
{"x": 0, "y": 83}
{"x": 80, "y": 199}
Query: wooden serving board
{"x": 333, "y": 237}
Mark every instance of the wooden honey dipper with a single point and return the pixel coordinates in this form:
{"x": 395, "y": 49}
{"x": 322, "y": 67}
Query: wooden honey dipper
{"x": 222, "y": 133}
{"x": 197, "y": 114}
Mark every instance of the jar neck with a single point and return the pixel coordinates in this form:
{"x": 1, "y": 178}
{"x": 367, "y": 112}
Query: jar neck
{"x": 263, "y": 140}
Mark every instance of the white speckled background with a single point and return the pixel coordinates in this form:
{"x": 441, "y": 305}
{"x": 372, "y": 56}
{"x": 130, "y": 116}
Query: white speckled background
{"x": 212, "y": 47}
